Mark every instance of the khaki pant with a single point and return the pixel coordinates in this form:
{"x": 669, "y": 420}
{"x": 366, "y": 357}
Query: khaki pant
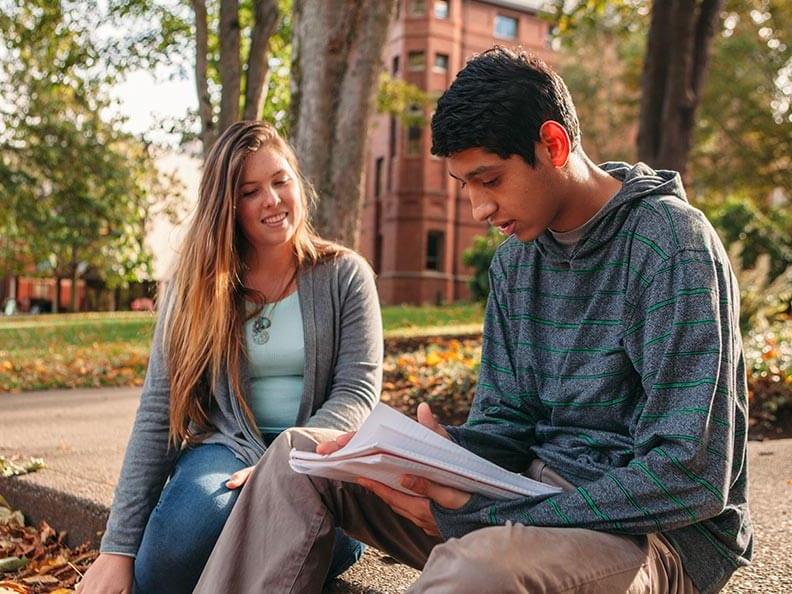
{"x": 280, "y": 534}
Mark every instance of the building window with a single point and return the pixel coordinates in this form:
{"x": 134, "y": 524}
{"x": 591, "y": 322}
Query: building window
{"x": 414, "y": 137}
{"x": 416, "y": 61}
{"x": 441, "y": 9}
{"x": 417, "y": 8}
{"x": 434, "y": 250}
{"x": 395, "y": 66}
{"x": 505, "y": 27}
{"x": 380, "y": 162}
{"x": 441, "y": 63}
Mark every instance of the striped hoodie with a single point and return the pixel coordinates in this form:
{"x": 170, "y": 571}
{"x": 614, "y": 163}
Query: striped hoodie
{"x": 619, "y": 363}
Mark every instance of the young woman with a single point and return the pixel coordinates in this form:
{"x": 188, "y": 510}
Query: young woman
{"x": 266, "y": 326}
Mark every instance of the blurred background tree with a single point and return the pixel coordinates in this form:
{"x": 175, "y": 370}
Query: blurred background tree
{"x": 77, "y": 194}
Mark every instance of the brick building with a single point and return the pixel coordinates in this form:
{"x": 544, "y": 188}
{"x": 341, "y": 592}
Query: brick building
{"x": 416, "y": 222}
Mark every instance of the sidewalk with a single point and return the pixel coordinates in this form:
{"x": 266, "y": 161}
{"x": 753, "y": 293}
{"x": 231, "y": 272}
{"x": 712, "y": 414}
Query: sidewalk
{"x": 81, "y": 434}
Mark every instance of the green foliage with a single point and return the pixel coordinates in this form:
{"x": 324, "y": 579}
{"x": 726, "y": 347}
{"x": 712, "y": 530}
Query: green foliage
{"x": 478, "y": 257}
{"x": 404, "y": 100}
{"x": 759, "y": 231}
{"x": 77, "y": 193}
{"x": 743, "y": 140}
{"x": 606, "y": 99}
{"x": 277, "y": 103}
{"x": 768, "y": 355}
{"x": 570, "y": 18}
{"x": 762, "y": 297}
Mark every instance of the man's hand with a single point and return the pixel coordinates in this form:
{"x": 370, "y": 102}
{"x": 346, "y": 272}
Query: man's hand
{"x": 428, "y": 420}
{"x": 416, "y": 508}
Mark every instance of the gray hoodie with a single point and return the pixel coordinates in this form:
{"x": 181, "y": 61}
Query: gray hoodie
{"x": 619, "y": 363}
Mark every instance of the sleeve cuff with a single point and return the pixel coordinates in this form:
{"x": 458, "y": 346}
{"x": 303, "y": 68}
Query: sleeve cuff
{"x": 121, "y": 553}
{"x": 453, "y": 434}
{"x": 455, "y": 523}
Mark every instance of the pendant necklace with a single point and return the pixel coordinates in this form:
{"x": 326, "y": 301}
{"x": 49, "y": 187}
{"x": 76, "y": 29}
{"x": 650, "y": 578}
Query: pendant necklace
{"x": 262, "y": 325}
{"x": 263, "y": 321}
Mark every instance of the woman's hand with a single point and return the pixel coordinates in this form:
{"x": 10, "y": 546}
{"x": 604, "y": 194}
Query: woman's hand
{"x": 425, "y": 418}
{"x": 239, "y": 478}
{"x": 109, "y": 574}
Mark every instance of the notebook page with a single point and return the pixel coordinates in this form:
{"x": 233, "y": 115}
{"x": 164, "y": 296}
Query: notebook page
{"x": 388, "y": 430}
{"x": 462, "y": 462}
{"x": 388, "y": 469}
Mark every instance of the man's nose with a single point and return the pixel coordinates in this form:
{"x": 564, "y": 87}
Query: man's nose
{"x": 482, "y": 209}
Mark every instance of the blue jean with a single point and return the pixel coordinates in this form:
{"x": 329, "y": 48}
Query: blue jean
{"x": 187, "y": 521}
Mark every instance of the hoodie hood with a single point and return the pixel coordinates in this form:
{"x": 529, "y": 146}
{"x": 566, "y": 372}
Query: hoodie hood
{"x": 638, "y": 181}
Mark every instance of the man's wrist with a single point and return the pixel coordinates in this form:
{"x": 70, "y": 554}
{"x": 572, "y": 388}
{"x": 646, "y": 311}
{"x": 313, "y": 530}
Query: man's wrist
{"x": 455, "y": 523}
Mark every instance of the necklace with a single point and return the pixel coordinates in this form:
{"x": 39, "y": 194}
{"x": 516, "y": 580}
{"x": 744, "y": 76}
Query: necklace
{"x": 262, "y": 325}
{"x": 263, "y": 321}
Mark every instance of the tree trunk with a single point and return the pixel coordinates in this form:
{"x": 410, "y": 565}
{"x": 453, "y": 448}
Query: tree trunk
{"x": 230, "y": 69}
{"x": 74, "y": 301}
{"x": 266, "y": 18}
{"x": 653, "y": 85}
{"x": 677, "y": 51}
{"x": 208, "y": 132}
{"x": 56, "y": 301}
{"x": 337, "y": 47}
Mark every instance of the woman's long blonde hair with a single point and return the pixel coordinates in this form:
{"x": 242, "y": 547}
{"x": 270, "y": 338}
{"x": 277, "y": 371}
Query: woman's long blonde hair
{"x": 206, "y": 310}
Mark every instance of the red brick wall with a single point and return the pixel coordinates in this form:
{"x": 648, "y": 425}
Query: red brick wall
{"x": 422, "y": 197}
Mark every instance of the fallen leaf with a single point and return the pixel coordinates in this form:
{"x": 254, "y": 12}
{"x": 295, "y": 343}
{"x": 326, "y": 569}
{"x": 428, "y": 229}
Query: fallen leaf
{"x": 41, "y": 580}
{"x": 12, "y": 564}
{"x": 7, "y": 587}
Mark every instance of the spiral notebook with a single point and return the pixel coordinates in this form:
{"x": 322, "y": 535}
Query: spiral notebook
{"x": 390, "y": 444}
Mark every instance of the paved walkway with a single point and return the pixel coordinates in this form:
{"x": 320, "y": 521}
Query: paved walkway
{"x": 81, "y": 434}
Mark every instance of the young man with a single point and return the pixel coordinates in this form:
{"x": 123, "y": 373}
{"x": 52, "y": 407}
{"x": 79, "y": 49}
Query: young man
{"x": 612, "y": 366}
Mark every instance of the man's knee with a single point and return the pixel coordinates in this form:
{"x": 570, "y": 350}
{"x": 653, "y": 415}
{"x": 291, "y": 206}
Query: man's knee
{"x": 274, "y": 465}
{"x": 473, "y": 563}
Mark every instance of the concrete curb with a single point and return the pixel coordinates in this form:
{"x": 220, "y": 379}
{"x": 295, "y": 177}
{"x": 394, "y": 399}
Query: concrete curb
{"x": 82, "y": 519}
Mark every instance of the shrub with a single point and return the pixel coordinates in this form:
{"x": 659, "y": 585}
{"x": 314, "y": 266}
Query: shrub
{"x": 768, "y": 354}
{"x": 479, "y": 256}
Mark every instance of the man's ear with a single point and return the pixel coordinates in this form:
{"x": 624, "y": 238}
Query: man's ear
{"x": 555, "y": 140}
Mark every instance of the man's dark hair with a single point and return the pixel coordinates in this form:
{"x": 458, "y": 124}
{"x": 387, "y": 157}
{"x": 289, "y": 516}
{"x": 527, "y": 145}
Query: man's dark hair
{"x": 498, "y": 102}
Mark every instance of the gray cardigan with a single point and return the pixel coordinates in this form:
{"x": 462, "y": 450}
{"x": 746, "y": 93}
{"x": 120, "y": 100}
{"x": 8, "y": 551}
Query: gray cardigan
{"x": 342, "y": 329}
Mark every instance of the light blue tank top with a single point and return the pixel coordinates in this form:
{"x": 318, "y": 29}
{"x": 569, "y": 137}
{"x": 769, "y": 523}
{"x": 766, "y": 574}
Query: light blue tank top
{"x": 276, "y": 367}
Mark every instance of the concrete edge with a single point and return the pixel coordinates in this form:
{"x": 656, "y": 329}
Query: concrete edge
{"x": 83, "y": 520}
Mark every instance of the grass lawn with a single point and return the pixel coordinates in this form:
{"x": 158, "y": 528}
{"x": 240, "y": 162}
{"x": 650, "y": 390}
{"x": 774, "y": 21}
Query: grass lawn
{"x": 96, "y": 349}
